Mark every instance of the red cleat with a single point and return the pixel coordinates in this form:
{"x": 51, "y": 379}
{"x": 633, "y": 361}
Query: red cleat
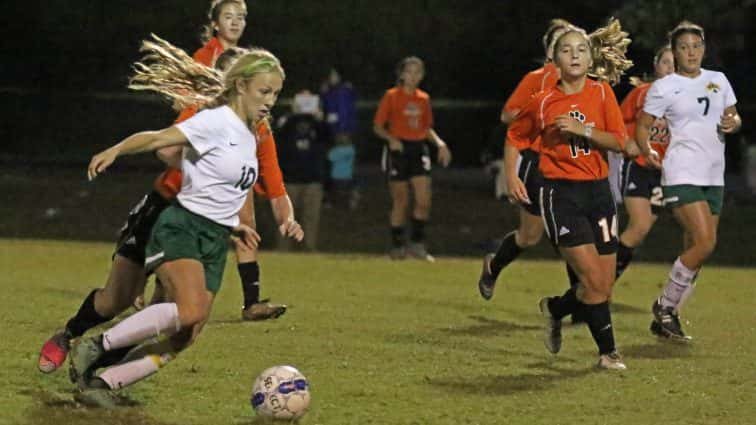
{"x": 54, "y": 352}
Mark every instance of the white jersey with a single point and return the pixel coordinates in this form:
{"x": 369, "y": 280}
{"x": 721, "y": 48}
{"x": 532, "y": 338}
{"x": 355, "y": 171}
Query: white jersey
{"x": 693, "y": 108}
{"x": 220, "y": 165}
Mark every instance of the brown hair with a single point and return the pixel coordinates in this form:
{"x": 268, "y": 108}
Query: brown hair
{"x": 403, "y": 64}
{"x": 685, "y": 27}
{"x": 213, "y": 15}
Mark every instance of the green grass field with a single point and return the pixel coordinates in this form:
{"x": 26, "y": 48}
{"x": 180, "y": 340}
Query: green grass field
{"x": 396, "y": 343}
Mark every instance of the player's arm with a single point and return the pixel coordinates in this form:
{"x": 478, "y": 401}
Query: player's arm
{"x": 144, "y": 141}
{"x": 642, "y": 135}
{"x": 599, "y": 138}
{"x": 444, "y": 154}
{"x": 171, "y": 156}
{"x": 731, "y": 121}
{"x": 283, "y": 212}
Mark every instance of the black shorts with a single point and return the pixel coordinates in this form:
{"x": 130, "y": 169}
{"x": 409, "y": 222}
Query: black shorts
{"x": 642, "y": 182}
{"x": 412, "y": 161}
{"x": 578, "y": 213}
{"x": 531, "y": 176}
{"x": 135, "y": 233}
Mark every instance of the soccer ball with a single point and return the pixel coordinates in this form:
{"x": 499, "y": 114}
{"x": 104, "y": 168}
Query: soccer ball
{"x": 281, "y": 392}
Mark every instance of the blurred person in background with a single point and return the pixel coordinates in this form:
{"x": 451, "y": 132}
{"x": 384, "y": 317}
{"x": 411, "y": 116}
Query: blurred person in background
{"x": 404, "y": 120}
{"x": 303, "y": 142}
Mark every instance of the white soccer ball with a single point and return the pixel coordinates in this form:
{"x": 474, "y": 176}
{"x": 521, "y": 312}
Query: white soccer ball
{"x": 281, "y": 392}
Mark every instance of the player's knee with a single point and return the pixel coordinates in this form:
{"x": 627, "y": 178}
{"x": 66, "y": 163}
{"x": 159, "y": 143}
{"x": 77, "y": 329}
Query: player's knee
{"x": 192, "y": 314}
{"x": 529, "y": 237}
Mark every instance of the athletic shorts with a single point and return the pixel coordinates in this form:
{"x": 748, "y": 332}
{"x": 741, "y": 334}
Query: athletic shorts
{"x": 579, "y": 212}
{"x": 642, "y": 182}
{"x": 135, "y": 233}
{"x": 412, "y": 161}
{"x": 179, "y": 233}
{"x": 531, "y": 176}
{"x": 681, "y": 194}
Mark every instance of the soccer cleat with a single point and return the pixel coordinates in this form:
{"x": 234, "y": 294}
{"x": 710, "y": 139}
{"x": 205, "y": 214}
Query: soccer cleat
{"x": 54, "y": 351}
{"x": 97, "y": 397}
{"x": 418, "y": 251}
{"x": 263, "y": 310}
{"x": 83, "y": 356}
{"x": 611, "y": 361}
{"x": 656, "y": 329}
{"x": 668, "y": 322}
{"x": 487, "y": 281}
{"x": 553, "y": 336}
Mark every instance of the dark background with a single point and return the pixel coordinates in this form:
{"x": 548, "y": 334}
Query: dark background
{"x": 65, "y": 63}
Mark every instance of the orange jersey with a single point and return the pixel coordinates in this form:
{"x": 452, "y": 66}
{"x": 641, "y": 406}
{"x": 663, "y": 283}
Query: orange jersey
{"x": 658, "y": 134}
{"x": 566, "y": 156}
{"x": 409, "y": 115}
{"x": 208, "y": 54}
{"x": 533, "y": 82}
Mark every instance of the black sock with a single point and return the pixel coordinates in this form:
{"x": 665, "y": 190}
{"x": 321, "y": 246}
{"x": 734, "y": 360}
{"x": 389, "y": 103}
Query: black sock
{"x": 112, "y": 357}
{"x": 624, "y": 256}
{"x": 418, "y": 230}
{"x": 249, "y": 273}
{"x": 573, "y": 277}
{"x": 86, "y": 318}
{"x": 397, "y": 236}
{"x": 507, "y": 252}
{"x": 564, "y": 305}
{"x": 600, "y": 323}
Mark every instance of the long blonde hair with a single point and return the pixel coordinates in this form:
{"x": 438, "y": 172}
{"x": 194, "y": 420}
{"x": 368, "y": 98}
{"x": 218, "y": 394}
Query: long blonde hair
{"x": 171, "y": 72}
{"x": 608, "y": 46}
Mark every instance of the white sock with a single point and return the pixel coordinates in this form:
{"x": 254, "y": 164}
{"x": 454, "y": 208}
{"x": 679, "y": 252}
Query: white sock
{"x": 126, "y": 374}
{"x": 680, "y": 279}
{"x": 152, "y": 321}
{"x": 687, "y": 293}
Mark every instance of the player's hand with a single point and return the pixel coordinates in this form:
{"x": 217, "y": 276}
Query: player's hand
{"x": 101, "y": 161}
{"x": 444, "y": 155}
{"x": 654, "y": 159}
{"x": 631, "y": 149}
{"x": 728, "y": 124}
{"x": 245, "y": 236}
{"x": 291, "y": 229}
{"x": 567, "y": 124}
{"x": 516, "y": 192}
{"x": 395, "y": 144}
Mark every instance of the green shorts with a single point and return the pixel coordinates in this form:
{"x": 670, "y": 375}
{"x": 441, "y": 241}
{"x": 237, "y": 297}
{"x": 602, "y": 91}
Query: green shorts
{"x": 682, "y": 194}
{"x": 179, "y": 233}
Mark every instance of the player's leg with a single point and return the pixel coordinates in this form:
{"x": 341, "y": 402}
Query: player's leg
{"x": 422, "y": 192}
{"x": 125, "y": 282}
{"x": 528, "y": 234}
{"x": 641, "y": 219}
{"x": 394, "y": 164}
{"x": 694, "y": 214}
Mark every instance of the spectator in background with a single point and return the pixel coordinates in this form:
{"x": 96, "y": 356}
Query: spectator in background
{"x": 339, "y": 106}
{"x": 341, "y": 157}
{"x": 304, "y": 138}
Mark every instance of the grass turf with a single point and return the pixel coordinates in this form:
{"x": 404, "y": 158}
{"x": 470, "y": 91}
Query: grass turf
{"x": 395, "y": 343}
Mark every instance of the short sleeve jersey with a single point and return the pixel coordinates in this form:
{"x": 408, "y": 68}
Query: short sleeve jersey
{"x": 533, "y": 82}
{"x": 408, "y": 115}
{"x": 631, "y": 107}
{"x": 693, "y": 108}
{"x": 219, "y": 166}
{"x": 566, "y": 156}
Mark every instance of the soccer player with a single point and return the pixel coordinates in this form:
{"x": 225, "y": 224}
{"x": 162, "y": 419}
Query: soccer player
{"x": 640, "y": 181}
{"x": 578, "y": 120}
{"x": 521, "y": 164}
{"x": 188, "y": 244}
{"x": 699, "y": 106}
{"x": 405, "y": 121}
{"x": 227, "y": 20}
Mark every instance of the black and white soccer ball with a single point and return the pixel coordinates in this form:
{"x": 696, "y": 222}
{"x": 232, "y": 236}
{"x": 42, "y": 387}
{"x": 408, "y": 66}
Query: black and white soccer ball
{"x": 281, "y": 392}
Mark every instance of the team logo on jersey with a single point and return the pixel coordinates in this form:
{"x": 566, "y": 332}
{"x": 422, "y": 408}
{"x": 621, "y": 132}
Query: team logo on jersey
{"x": 713, "y": 87}
{"x": 576, "y": 114}
{"x": 413, "y": 112}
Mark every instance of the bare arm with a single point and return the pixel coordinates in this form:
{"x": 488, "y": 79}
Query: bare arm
{"x": 508, "y": 116}
{"x": 283, "y": 211}
{"x": 393, "y": 143}
{"x": 139, "y": 142}
{"x": 444, "y": 154}
{"x": 171, "y": 156}
{"x": 602, "y": 139}
{"x": 642, "y": 131}
{"x": 516, "y": 191}
{"x": 731, "y": 121}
